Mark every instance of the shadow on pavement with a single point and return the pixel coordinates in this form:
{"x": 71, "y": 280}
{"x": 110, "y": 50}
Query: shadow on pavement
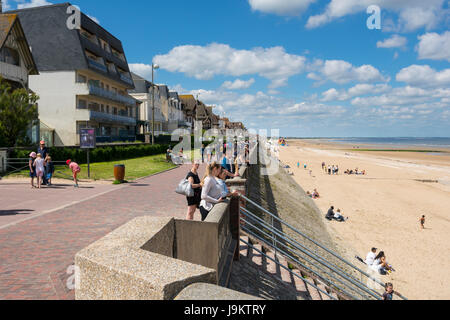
{"x": 15, "y": 212}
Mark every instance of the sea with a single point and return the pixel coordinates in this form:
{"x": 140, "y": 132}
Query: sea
{"x": 397, "y": 142}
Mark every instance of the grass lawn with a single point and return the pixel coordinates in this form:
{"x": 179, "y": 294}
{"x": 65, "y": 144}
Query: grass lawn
{"x": 134, "y": 168}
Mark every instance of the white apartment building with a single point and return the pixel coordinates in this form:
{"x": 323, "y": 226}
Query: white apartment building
{"x": 84, "y": 77}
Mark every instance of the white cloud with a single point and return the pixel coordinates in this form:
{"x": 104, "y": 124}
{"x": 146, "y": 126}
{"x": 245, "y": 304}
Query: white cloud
{"x": 141, "y": 69}
{"x": 238, "y": 84}
{"x": 412, "y": 14}
{"x": 205, "y": 62}
{"x": 424, "y": 76}
{"x": 395, "y": 41}
{"x": 283, "y": 7}
{"x": 358, "y": 90}
{"x": 434, "y": 46}
{"x": 342, "y": 72}
{"x": 33, "y": 3}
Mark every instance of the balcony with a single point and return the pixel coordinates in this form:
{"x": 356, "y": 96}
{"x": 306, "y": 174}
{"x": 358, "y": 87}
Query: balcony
{"x": 13, "y": 73}
{"x": 111, "y": 118}
{"x": 103, "y": 93}
{"x": 97, "y": 65}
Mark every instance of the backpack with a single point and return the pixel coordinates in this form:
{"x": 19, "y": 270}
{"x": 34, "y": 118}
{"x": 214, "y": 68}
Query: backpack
{"x": 185, "y": 188}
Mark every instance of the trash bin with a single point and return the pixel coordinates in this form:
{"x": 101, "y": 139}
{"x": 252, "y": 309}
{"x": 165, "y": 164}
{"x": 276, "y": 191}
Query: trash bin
{"x": 119, "y": 172}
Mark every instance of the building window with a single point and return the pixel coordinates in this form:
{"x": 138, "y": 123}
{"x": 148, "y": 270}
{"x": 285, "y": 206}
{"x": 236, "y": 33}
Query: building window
{"x": 82, "y": 104}
{"x": 10, "y": 56}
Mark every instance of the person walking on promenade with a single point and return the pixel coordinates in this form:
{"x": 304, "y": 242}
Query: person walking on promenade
{"x": 211, "y": 190}
{"x": 194, "y": 202}
{"x": 43, "y": 150}
{"x": 40, "y": 169}
{"x": 227, "y": 165}
{"x": 32, "y": 168}
{"x": 75, "y": 168}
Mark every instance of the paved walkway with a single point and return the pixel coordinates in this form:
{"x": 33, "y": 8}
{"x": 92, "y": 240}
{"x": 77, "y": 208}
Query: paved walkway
{"x": 37, "y": 245}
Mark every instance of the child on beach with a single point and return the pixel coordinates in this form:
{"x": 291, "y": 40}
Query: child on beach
{"x": 39, "y": 165}
{"x": 75, "y": 170}
{"x": 49, "y": 169}
{"x": 32, "y": 168}
{"x": 422, "y": 222}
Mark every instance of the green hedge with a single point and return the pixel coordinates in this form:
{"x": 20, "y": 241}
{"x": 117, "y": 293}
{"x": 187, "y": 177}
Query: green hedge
{"x": 100, "y": 154}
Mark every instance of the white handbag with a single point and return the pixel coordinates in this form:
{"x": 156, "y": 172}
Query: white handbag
{"x": 185, "y": 188}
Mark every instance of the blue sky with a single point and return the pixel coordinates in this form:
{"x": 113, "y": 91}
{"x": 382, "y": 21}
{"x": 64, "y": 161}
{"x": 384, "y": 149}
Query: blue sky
{"x": 306, "y": 67}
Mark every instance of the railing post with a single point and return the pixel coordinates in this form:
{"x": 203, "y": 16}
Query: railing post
{"x": 235, "y": 226}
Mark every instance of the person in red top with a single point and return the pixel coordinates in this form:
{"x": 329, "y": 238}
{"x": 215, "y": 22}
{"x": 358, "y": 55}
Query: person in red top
{"x": 75, "y": 170}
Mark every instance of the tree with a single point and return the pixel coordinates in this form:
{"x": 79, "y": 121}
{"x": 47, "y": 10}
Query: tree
{"x": 18, "y": 109}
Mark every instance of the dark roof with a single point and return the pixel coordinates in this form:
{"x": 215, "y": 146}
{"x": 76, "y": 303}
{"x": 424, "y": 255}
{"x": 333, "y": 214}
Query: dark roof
{"x": 163, "y": 91}
{"x": 141, "y": 85}
{"x": 55, "y": 47}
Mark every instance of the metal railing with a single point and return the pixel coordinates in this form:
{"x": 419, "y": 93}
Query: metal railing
{"x": 289, "y": 270}
{"x": 334, "y": 277}
{"x": 111, "y": 118}
{"x": 14, "y": 165}
{"x": 103, "y": 93}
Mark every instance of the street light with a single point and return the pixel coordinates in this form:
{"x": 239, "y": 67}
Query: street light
{"x": 154, "y": 67}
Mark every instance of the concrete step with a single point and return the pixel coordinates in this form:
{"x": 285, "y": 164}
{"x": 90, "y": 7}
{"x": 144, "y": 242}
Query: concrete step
{"x": 243, "y": 248}
{"x": 271, "y": 266}
{"x": 256, "y": 256}
{"x": 285, "y": 274}
{"x": 322, "y": 286}
{"x": 300, "y": 285}
{"x": 312, "y": 291}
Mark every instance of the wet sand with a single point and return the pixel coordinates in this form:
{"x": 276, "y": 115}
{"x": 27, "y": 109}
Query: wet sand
{"x": 384, "y": 208}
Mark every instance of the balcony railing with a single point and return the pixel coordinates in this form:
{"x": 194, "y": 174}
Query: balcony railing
{"x": 97, "y": 65}
{"x": 112, "y": 118}
{"x": 12, "y": 72}
{"x": 103, "y": 93}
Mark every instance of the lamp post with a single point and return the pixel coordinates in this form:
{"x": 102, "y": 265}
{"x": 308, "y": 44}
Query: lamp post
{"x": 154, "y": 67}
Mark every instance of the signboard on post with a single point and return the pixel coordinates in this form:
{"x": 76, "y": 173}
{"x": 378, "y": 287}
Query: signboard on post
{"x": 87, "y": 138}
{"x": 87, "y": 141}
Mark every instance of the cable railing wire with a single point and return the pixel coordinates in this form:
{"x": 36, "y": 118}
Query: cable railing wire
{"x": 304, "y": 250}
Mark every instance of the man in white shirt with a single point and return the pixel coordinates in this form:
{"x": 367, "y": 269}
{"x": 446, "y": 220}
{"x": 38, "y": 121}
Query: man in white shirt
{"x": 371, "y": 257}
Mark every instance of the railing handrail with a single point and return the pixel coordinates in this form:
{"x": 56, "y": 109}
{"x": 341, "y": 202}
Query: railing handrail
{"x": 290, "y": 271}
{"x": 318, "y": 244}
{"x": 308, "y": 238}
{"x": 345, "y": 276}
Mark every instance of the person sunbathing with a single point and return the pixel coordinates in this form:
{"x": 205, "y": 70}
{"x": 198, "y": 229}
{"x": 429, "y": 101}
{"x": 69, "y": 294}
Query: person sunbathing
{"x": 380, "y": 264}
{"x": 315, "y": 194}
{"x": 339, "y": 217}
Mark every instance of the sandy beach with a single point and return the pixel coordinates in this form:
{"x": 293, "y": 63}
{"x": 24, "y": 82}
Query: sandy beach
{"x": 384, "y": 208}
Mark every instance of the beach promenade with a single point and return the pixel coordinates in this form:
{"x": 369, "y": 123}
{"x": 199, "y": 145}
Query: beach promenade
{"x": 42, "y": 230}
